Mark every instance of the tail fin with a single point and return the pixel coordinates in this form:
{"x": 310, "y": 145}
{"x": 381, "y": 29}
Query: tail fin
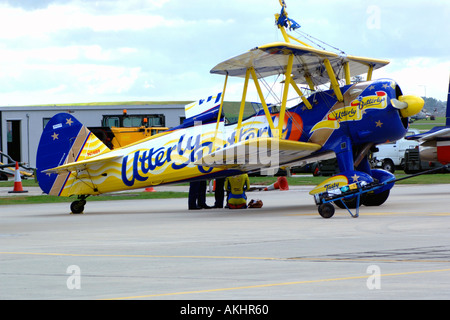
{"x": 195, "y": 108}
{"x": 64, "y": 140}
{"x": 447, "y": 122}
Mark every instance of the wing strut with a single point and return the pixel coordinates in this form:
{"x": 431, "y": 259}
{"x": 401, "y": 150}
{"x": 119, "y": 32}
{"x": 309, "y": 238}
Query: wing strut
{"x": 370, "y": 73}
{"x": 241, "y": 110}
{"x": 261, "y": 97}
{"x": 250, "y": 72}
{"x": 219, "y": 116}
{"x": 288, "y": 77}
{"x": 334, "y": 82}
{"x": 300, "y": 94}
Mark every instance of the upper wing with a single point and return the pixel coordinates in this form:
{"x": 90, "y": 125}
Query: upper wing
{"x": 272, "y": 59}
{"x": 259, "y": 153}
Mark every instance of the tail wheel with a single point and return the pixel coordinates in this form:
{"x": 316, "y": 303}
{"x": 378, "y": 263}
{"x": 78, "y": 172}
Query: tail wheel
{"x": 77, "y": 206}
{"x": 376, "y": 199}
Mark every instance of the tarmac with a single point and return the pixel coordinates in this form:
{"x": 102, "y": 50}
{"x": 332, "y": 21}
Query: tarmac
{"x": 159, "y": 250}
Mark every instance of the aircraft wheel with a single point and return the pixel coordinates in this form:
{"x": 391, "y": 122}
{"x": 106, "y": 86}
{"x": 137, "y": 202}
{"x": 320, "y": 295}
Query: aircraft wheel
{"x": 373, "y": 200}
{"x": 326, "y": 210}
{"x": 77, "y": 206}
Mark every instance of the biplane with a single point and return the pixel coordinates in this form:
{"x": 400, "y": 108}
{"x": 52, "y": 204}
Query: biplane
{"x": 435, "y": 143}
{"x": 333, "y": 117}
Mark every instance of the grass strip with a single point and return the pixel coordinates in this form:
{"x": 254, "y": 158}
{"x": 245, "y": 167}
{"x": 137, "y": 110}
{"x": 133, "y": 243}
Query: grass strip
{"x": 24, "y": 199}
{"x": 298, "y": 180}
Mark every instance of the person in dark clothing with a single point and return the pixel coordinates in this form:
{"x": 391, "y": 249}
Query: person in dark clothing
{"x": 202, "y": 196}
{"x": 219, "y": 193}
{"x": 197, "y": 195}
{"x": 194, "y": 189}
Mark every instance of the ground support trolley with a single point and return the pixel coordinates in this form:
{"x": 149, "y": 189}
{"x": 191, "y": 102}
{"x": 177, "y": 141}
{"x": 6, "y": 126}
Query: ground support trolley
{"x": 355, "y": 190}
{"x": 324, "y": 200}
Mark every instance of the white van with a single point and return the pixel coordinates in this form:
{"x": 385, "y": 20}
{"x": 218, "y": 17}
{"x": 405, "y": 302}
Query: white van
{"x": 392, "y": 155}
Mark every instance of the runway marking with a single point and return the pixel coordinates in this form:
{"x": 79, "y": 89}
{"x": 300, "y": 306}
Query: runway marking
{"x": 311, "y": 259}
{"x": 276, "y": 284}
{"x": 379, "y": 213}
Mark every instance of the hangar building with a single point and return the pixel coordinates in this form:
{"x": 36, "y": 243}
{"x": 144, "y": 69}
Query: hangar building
{"x": 22, "y": 126}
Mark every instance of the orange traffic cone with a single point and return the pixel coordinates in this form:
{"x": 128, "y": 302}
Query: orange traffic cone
{"x": 281, "y": 184}
{"x": 149, "y": 189}
{"x": 17, "y": 181}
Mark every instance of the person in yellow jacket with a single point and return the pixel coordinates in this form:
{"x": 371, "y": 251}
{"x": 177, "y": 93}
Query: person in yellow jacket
{"x": 236, "y": 187}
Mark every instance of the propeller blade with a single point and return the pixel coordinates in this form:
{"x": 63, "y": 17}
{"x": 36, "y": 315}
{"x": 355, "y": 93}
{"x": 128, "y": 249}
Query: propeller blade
{"x": 397, "y": 104}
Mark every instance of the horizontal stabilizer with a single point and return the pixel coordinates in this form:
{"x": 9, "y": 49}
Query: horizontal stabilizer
{"x": 82, "y": 165}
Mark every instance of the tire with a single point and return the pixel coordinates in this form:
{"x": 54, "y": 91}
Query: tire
{"x": 388, "y": 165}
{"x": 77, "y": 207}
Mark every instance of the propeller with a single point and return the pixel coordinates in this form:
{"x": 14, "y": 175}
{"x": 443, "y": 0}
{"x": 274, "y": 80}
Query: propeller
{"x": 397, "y": 104}
{"x": 408, "y": 105}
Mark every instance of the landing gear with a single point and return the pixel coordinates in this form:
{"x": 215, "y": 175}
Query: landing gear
{"x": 77, "y": 206}
{"x": 351, "y": 197}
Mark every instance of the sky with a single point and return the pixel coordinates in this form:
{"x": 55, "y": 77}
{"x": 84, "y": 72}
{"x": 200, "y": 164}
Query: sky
{"x": 73, "y": 51}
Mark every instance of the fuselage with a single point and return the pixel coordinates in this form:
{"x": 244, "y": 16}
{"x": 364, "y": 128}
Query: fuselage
{"x": 365, "y": 116}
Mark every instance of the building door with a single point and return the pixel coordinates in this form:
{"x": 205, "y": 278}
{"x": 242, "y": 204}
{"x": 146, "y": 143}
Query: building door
{"x": 14, "y": 139}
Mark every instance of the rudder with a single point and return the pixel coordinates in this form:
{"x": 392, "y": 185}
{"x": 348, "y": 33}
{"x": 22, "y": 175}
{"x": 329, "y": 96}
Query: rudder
{"x": 64, "y": 140}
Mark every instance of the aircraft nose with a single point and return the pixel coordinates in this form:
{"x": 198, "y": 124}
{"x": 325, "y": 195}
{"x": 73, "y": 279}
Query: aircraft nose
{"x": 408, "y": 105}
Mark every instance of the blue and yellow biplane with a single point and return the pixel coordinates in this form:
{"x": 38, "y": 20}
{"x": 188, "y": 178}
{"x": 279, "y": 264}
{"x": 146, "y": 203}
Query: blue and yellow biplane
{"x": 344, "y": 120}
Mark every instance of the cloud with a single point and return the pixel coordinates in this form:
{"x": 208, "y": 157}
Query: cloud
{"x": 43, "y": 23}
{"x": 420, "y": 76}
{"x": 56, "y": 51}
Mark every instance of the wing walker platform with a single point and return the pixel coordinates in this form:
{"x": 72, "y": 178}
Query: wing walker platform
{"x": 356, "y": 190}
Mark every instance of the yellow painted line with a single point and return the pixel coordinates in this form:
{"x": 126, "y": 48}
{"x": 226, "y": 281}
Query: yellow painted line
{"x": 246, "y": 258}
{"x": 311, "y": 259}
{"x": 277, "y": 284}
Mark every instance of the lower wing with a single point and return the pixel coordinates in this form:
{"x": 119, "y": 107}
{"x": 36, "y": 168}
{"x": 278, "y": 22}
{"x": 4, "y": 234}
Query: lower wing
{"x": 262, "y": 153}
